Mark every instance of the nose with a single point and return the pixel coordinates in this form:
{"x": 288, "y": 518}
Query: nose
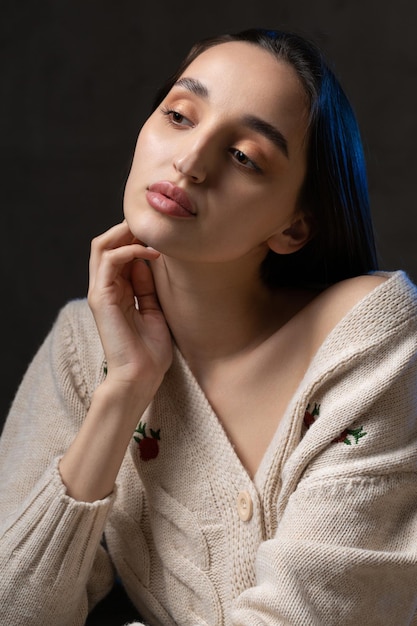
{"x": 192, "y": 161}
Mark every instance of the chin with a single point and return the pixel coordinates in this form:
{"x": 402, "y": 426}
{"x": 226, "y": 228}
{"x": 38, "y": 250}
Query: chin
{"x": 144, "y": 227}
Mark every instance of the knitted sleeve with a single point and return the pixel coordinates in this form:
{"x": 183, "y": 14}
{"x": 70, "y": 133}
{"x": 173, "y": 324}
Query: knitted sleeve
{"x": 53, "y": 568}
{"x": 344, "y": 551}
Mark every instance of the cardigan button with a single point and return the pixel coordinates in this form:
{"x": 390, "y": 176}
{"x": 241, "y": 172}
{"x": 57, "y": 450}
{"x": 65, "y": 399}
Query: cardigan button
{"x": 244, "y": 506}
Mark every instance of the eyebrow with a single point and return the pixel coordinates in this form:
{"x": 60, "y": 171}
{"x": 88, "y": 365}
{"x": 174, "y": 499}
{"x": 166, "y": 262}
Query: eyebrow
{"x": 250, "y": 121}
{"x": 267, "y": 130}
{"x": 193, "y": 85}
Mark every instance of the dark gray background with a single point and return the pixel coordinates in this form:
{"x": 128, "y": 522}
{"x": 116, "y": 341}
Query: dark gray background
{"x": 77, "y": 79}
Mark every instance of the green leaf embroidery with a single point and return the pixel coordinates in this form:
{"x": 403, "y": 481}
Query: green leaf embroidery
{"x": 345, "y": 437}
{"x": 348, "y": 436}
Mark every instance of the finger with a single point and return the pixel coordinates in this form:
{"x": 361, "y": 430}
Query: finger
{"x": 113, "y": 262}
{"x": 144, "y": 287}
{"x": 116, "y": 237}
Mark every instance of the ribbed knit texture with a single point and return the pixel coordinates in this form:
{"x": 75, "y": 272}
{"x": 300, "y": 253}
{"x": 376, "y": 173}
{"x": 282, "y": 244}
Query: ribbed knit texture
{"x": 333, "y": 535}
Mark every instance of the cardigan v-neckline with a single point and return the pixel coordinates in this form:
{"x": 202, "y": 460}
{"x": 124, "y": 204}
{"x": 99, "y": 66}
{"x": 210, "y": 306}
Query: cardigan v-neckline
{"x": 360, "y": 327}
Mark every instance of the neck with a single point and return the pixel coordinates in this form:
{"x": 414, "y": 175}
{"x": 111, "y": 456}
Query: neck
{"x": 217, "y": 312}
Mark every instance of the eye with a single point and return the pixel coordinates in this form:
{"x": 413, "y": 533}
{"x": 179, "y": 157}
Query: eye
{"x": 176, "y": 118}
{"x": 244, "y": 160}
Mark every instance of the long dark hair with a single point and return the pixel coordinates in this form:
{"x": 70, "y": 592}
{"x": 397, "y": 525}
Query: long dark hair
{"x": 335, "y": 191}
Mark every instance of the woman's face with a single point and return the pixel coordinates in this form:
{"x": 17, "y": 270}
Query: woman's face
{"x": 219, "y": 165}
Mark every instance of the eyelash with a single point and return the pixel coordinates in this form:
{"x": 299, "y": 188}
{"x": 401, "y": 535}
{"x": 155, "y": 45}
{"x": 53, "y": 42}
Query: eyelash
{"x": 254, "y": 166}
{"x": 171, "y": 113}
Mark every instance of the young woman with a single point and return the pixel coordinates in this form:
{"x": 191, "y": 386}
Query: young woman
{"x": 232, "y": 430}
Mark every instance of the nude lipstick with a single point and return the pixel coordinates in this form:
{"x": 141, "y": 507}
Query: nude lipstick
{"x": 165, "y": 197}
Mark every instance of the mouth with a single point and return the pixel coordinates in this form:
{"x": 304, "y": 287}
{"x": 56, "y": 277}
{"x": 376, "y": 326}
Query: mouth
{"x": 165, "y": 197}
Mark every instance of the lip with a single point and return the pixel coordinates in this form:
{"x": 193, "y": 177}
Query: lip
{"x": 165, "y": 197}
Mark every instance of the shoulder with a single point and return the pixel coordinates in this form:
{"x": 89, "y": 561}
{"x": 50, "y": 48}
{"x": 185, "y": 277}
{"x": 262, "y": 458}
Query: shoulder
{"x": 395, "y": 289}
{"x": 76, "y": 344}
{"x": 339, "y": 298}
{"x": 76, "y": 318}
{"x": 368, "y": 291}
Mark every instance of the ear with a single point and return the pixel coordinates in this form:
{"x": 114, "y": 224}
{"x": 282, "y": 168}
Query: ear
{"x": 292, "y": 238}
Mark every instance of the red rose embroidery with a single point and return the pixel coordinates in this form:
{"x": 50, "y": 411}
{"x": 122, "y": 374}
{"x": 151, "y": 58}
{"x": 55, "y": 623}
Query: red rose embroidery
{"x": 148, "y": 446}
{"x": 310, "y": 416}
{"x": 348, "y": 436}
{"x": 341, "y": 438}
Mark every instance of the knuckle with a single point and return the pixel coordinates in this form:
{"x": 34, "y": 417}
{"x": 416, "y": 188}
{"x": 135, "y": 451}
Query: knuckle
{"x": 107, "y": 255}
{"x": 95, "y": 242}
{"x": 92, "y": 299}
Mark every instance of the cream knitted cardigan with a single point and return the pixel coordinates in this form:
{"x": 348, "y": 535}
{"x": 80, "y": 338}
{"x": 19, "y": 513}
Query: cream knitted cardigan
{"x": 325, "y": 534}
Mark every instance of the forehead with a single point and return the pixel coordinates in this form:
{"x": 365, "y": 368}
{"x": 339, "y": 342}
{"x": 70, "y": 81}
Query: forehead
{"x": 241, "y": 74}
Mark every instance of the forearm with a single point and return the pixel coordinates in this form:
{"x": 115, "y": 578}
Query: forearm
{"x": 90, "y": 466}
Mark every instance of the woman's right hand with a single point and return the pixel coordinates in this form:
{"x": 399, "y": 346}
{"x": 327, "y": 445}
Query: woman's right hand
{"x": 138, "y": 348}
{"x": 133, "y": 331}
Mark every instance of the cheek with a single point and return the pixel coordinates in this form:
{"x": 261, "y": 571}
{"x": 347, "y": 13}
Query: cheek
{"x": 151, "y": 147}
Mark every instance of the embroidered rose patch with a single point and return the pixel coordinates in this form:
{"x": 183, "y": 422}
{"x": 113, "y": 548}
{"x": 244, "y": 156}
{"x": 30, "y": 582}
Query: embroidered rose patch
{"x": 348, "y": 436}
{"x": 311, "y": 414}
{"x": 148, "y": 445}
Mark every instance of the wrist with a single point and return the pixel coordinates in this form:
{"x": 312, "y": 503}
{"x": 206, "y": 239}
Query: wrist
{"x": 124, "y": 399}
